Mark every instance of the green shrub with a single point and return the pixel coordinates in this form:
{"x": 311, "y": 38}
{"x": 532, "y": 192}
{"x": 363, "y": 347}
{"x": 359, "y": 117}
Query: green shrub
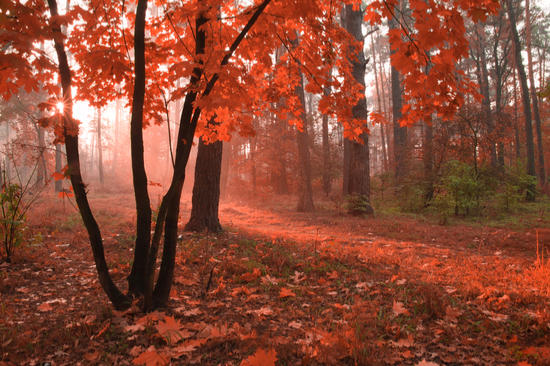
{"x": 12, "y": 220}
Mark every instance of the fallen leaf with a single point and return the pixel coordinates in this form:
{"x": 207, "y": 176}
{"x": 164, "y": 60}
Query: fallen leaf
{"x": 152, "y": 358}
{"x": 249, "y": 277}
{"x": 134, "y": 328}
{"x": 286, "y": 293}
{"x": 192, "y": 312}
{"x": 91, "y": 356}
{"x": 270, "y": 280}
{"x": 426, "y": 363}
{"x": 398, "y": 309}
{"x": 261, "y": 358}
{"x": 171, "y": 328}
{"x": 45, "y": 307}
{"x": 295, "y": 324}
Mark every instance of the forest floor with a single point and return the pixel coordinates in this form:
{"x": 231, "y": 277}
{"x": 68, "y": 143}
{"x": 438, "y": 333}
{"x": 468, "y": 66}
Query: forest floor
{"x": 288, "y": 288}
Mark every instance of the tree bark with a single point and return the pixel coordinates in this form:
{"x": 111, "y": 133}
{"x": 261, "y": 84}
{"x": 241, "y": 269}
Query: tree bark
{"x": 399, "y": 132}
{"x": 359, "y": 167}
{"x": 534, "y": 98}
{"x": 206, "y": 189}
{"x": 136, "y": 279}
{"x": 531, "y": 170}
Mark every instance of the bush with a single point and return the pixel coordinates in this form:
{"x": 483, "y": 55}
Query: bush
{"x": 12, "y": 219}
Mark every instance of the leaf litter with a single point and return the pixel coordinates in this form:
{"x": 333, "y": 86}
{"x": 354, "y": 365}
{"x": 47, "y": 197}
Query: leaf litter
{"x": 283, "y": 295}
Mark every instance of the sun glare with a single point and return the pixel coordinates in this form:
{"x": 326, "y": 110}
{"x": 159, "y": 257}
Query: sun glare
{"x": 59, "y": 106}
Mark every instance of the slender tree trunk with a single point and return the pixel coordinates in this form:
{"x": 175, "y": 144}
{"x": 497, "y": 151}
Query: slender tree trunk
{"x": 224, "y": 175}
{"x": 58, "y": 167}
{"x": 378, "y": 98}
{"x": 516, "y": 119}
{"x": 399, "y": 132}
{"x": 116, "y": 139}
{"x": 485, "y": 92}
{"x": 70, "y": 131}
{"x": 534, "y": 98}
{"x": 305, "y": 191}
{"x": 327, "y": 176}
{"x": 41, "y": 163}
{"x": 100, "y": 148}
{"x": 359, "y": 164}
{"x": 531, "y": 170}
{"x": 206, "y": 189}
{"x": 136, "y": 279}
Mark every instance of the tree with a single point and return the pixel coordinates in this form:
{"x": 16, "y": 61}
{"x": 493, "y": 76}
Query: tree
{"x": 525, "y": 98}
{"x": 359, "y": 169}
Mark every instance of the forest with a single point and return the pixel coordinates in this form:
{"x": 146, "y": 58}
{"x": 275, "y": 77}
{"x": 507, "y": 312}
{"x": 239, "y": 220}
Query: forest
{"x": 274, "y": 182}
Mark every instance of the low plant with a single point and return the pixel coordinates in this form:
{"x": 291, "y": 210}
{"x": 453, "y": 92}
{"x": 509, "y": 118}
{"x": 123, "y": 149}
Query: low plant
{"x": 358, "y": 204}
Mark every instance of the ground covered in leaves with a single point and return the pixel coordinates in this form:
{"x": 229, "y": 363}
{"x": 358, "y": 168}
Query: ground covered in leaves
{"x": 286, "y": 289}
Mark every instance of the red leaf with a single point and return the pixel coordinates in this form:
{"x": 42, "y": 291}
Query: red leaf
{"x": 286, "y": 293}
{"x": 261, "y": 358}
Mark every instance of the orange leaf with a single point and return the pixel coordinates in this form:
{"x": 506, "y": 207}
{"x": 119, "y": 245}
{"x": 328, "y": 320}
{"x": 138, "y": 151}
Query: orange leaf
{"x": 171, "y": 327}
{"x": 152, "y": 358}
{"x": 398, "y": 309}
{"x": 286, "y": 293}
{"x": 45, "y": 307}
{"x": 249, "y": 277}
{"x": 261, "y": 358}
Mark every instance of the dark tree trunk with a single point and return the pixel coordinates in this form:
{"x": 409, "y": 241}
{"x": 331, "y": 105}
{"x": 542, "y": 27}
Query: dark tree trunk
{"x": 206, "y": 189}
{"x": 531, "y": 170}
{"x": 41, "y": 163}
{"x": 359, "y": 167}
{"x": 70, "y": 132}
{"x": 399, "y": 132}
{"x": 136, "y": 279}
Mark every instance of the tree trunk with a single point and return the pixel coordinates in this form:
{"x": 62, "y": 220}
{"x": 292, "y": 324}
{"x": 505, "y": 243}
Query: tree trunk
{"x": 305, "y": 191}
{"x": 224, "y": 174}
{"x": 531, "y": 170}
{"x": 115, "y": 145}
{"x": 58, "y": 167}
{"x": 99, "y": 147}
{"x": 327, "y": 176}
{"x": 70, "y": 132}
{"x": 359, "y": 167}
{"x": 378, "y": 98}
{"x": 41, "y": 163}
{"x": 206, "y": 189}
{"x": 136, "y": 279}
{"x": 534, "y": 98}
{"x": 399, "y": 132}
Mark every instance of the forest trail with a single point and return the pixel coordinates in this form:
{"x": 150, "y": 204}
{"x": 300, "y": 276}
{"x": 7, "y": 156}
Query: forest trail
{"x": 317, "y": 288}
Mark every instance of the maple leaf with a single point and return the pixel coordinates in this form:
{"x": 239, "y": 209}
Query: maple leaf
{"x": 187, "y": 346}
{"x": 249, "y": 277}
{"x": 172, "y": 328}
{"x": 192, "y": 312}
{"x": 286, "y": 293}
{"x": 152, "y": 358}
{"x": 261, "y": 358}
{"x": 398, "y": 309}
